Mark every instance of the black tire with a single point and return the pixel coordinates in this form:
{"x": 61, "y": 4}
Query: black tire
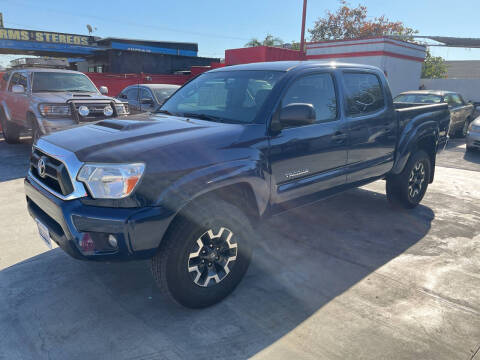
{"x": 408, "y": 188}
{"x": 36, "y": 133}
{"x": 180, "y": 273}
{"x": 464, "y": 129}
{"x": 11, "y": 131}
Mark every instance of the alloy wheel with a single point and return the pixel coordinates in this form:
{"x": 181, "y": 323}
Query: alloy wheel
{"x": 212, "y": 257}
{"x": 416, "y": 179}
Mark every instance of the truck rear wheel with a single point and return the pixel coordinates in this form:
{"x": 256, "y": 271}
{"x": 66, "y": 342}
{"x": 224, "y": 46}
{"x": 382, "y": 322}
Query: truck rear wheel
{"x": 408, "y": 188}
{"x": 464, "y": 130}
{"x": 204, "y": 254}
{"x": 11, "y": 131}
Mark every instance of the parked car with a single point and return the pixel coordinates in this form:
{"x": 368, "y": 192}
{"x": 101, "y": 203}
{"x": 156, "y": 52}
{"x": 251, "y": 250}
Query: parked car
{"x": 146, "y": 97}
{"x": 228, "y": 149}
{"x": 461, "y": 112}
{"x": 43, "y": 100}
{"x": 473, "y": 136}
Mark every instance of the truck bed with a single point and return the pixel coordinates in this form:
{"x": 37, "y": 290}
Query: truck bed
{"x": 413, "y": 113}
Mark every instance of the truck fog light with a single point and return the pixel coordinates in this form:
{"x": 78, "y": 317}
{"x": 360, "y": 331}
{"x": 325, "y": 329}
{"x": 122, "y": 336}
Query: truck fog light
{"x": 107, "y": 110}
{"x": 83, "y": 110}
{"x": 112, "y": 240}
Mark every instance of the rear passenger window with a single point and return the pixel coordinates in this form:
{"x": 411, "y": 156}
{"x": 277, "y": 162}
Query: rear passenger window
{"x": 364, "y": 93}
{"x": 317, "y": 90}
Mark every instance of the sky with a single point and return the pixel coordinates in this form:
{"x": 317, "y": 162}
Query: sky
{"x": 217, "y": 25}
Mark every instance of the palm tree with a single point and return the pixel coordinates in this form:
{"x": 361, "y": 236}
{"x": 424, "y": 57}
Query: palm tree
{"x": 252, "y": 43}
{"x": 269, "y": 40}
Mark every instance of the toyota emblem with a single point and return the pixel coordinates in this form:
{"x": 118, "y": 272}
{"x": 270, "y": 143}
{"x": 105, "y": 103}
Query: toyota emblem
{"x": 42, "y": 167}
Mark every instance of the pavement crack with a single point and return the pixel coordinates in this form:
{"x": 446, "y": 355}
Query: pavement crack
{"x": 475, "y": 353}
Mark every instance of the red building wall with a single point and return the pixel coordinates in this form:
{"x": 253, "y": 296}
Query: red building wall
{"x": 260, "y": 54}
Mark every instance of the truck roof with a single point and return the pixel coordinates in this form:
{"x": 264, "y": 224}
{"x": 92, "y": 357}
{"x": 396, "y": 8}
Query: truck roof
{"x": 290, "y": 65}
{"x": 45, "y": 70}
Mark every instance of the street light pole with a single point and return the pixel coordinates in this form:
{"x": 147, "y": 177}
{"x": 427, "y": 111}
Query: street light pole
{"x": 302, "y": 37}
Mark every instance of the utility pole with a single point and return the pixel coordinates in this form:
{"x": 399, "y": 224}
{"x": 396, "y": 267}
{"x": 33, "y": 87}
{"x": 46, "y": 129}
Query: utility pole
{"x": 302, "y": 37}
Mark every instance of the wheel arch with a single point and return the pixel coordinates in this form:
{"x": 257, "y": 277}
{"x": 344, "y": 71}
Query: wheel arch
{"x": 424, "y": 137}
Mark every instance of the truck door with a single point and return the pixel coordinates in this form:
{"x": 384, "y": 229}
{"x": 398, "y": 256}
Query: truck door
{"x": 146, "y": 100}
{"x": 307, "y": 159}
{"x": 372, "y": 125}
{"x": 133, "y": 100}
{"x": 18, "y": 104}
{"x": 456, "y": 112}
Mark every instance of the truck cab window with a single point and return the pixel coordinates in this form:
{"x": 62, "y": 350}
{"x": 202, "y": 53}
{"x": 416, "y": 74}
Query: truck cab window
{"x": 364, "y": 93}
{"x": 317, "y": 90}
{"x": 145, "y": 94}
{"x": 18, "y": 79}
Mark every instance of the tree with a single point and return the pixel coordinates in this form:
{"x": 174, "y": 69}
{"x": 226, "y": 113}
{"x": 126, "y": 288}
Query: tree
{"x": 353, "y": 23}
{"x": 433, "y": 67}
{"x": 269, "y": 40}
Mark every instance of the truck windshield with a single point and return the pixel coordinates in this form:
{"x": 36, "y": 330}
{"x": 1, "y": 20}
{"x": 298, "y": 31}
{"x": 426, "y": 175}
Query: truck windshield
{"x": 419, "y": 98}
{"x": 223, "y": 96}
{"x": 59, "y": 82}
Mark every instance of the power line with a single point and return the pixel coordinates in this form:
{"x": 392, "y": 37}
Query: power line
{"x": 131, "y": 23}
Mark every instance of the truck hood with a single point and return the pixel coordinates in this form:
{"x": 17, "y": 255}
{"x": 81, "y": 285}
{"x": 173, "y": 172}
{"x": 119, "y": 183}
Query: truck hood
{"x": 61, "y": 97}
{"x": 126, "y": 140}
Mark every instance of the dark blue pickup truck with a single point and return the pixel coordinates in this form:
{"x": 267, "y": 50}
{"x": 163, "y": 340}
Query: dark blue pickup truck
{"x": 188, "y": 186}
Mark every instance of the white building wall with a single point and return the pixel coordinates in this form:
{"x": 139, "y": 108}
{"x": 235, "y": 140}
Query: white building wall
{"x": 468, "y": 88}
{"x": 400, "y": 61}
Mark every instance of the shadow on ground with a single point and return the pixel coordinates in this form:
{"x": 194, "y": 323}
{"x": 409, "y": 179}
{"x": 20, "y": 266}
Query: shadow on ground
{"x": 472, "y": 156}
{"x": 52, "y": 306}
{"x": 14, "y": 159}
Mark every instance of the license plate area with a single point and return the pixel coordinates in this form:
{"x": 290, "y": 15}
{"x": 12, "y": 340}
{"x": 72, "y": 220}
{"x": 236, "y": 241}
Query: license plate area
{"x": 44, "y": 233}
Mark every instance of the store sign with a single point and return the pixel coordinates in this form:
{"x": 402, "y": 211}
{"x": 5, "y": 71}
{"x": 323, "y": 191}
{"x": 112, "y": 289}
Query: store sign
{"x": 44, "y": 37}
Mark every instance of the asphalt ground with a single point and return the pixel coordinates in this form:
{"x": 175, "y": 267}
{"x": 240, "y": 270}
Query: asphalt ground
{"x": 349, "y": 277}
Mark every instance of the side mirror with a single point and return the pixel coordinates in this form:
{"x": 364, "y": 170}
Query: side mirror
{"x": 103, "y": 90}
{"x": 146, "y": 101}
{"x": 18, "y": 89}
{"x": 297, "y": 115}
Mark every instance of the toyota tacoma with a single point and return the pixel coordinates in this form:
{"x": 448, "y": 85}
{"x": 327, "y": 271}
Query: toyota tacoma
{"x": 230, "y": 148}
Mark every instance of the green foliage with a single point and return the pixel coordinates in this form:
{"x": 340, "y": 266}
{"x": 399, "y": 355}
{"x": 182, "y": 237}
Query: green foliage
{"x": 433, "y": 67}
{"x": 269, "y": 40}
{"x": 353, "y": 23}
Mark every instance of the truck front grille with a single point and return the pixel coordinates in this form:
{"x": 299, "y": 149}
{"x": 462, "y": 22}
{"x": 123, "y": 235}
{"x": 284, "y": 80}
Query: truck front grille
{"x": 50, "y": 172}
{"x": 95, "y": 111}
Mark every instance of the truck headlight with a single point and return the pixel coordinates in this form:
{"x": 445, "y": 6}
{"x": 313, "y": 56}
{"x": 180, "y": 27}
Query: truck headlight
{"x": 54, "y": 110}
{"x": 111, "y": 181}
{"x": 122, "y": 109}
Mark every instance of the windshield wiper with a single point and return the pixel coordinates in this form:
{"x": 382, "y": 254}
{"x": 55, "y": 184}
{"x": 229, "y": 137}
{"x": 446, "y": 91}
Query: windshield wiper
{"x": 166, "y": 112}
{"x": 45, "y": 90}
{"x": 203, "y": 117}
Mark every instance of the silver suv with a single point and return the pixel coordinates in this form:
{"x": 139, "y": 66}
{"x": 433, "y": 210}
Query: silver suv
{"x": 46, "y": 100}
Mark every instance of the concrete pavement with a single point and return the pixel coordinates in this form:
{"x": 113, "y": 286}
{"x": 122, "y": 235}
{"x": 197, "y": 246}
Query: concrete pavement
{"x": 346, "y": 278}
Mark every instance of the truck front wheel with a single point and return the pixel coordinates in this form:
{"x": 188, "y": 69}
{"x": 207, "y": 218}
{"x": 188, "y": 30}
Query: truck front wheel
{"x": 204, "y": 254}
{"x": 408, "y": 188}
{"x": 11, "y": 131}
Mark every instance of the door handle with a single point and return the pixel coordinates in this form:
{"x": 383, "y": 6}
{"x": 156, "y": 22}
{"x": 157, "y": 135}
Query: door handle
{"x": 339, "y": 137}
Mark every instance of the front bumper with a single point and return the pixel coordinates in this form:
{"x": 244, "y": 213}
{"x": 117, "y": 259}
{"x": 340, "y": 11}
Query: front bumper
{"x": 473, "y": 140}
{"x": 138, "y": 230}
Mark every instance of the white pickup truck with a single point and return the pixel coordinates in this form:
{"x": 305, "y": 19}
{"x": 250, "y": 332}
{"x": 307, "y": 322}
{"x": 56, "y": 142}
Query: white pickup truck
{"x": 44, "y": 100}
